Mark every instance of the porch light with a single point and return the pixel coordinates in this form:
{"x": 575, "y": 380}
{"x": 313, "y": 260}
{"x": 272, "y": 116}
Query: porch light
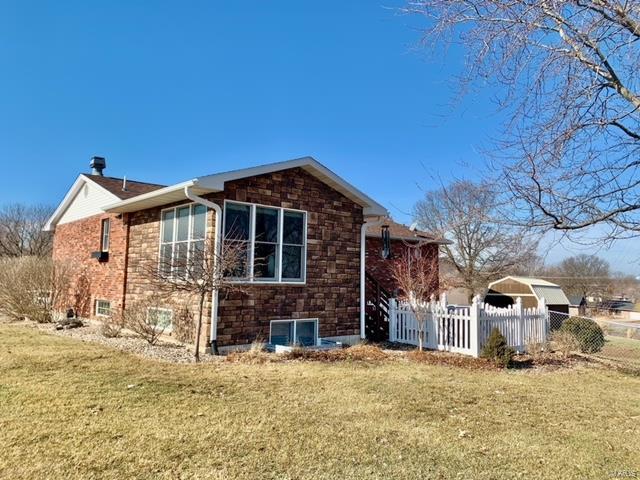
{"x": 386, "y": 242}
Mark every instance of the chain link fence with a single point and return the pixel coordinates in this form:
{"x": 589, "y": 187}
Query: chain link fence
{"x": 616, "y": 342}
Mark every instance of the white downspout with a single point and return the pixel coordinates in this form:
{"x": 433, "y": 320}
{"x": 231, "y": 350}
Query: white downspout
{"x": 217, "y": 245}
{"x": 363, "y": 250}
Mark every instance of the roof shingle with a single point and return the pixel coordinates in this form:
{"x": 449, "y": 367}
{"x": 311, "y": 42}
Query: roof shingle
{"x": 114, "y": 185}
{"x": 402, "y": 232}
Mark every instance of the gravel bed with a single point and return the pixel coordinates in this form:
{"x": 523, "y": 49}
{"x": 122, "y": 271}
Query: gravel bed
{"x": 167, "y": 351}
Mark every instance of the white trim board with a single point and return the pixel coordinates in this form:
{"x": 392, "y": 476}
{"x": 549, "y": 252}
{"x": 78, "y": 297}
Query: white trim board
{"x": 76, "y": 205}
{"x": 216, "y": 183}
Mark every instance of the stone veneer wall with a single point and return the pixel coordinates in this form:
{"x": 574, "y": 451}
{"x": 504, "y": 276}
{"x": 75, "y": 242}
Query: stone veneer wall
{"x": 332, "y": 289}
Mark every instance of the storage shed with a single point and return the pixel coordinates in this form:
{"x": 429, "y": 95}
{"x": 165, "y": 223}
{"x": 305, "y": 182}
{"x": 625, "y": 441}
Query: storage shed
{"x": 504, "y": 292}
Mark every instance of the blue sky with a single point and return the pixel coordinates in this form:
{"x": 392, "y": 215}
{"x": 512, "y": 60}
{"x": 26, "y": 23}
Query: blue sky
{"x": 171, "y": 90}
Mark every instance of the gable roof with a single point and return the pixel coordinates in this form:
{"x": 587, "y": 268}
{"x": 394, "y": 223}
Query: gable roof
{"x": 399, "y": 231}
{"x": 530, "y": 281}
{"x": 552, "y": 293}
{"x": 69, "y": 198}
{"x": 114, "y": 186}
{"x": 216, "y": 183}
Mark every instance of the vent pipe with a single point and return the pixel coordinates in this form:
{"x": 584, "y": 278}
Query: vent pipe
{"x": 97, "y": 164}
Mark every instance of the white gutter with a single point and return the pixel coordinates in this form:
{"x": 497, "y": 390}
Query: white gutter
{"x": 363, "y": 250}
{"x": 217, "y": 245}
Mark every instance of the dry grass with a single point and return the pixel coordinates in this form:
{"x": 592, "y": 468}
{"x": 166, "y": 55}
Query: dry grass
{"x": 79, "y": 410}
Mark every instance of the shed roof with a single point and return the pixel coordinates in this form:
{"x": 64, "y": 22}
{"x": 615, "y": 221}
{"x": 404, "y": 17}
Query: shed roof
{"x": 551, "y": 295}
{"x": 529, "y": 281}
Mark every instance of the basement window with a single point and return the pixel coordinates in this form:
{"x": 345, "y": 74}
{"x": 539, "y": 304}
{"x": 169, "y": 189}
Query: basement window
{"x": 103, "y": 308}
{"x": 294, "y": 332}
{"x": 161, "y": 318}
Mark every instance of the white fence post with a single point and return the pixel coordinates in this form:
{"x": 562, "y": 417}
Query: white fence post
{"x": 545, "y": 319}
{"x": 519, "y": 340}
{"x": 474, "y": 327}
{"x": 393, "y": 319}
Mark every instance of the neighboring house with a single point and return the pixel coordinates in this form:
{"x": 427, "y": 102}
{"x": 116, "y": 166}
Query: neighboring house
{"x": 577, "y": 304}
{"x": 505, "y": 291}
{"x": 109, "y": 228}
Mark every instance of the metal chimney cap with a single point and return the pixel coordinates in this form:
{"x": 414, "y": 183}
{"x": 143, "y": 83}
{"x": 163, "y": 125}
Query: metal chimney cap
{"x": 97, "y": 164}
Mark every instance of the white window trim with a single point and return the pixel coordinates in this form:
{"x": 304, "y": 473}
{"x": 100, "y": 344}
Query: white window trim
{"x": 295, "y": 326}
{"x": 159, "y": 309}
{"x": 103, "y": 222}
{"x": 96, "y": 307}
{"x": 251, "y": 243}
{"x": 175, "y": 232}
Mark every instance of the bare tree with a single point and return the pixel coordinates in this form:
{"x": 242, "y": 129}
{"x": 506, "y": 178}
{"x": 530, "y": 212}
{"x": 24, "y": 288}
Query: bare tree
{"x": 416, "y": 275}
{"x": 568, "y": 84}
{"x": 584, "y": 275}
{"x": 200, "y": 273}
{"x": 483, "y": 246}
{"x": 623, "y": 285}
{"x": 21, "y": 231}
{"x": 33, "y": 288}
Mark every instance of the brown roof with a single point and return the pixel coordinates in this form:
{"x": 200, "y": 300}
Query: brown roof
{"x": 400, "y": 231}
{"x": 114, "y": 185}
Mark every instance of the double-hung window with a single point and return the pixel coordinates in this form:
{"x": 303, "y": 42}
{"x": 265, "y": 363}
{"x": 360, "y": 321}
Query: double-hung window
{"x": 103, "y": 308}
{"x": 182, "y": 240}
{"x": 274, "y": 239}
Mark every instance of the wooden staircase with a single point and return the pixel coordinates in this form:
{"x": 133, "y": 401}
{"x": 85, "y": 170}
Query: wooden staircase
{"x": 377, "y": 310}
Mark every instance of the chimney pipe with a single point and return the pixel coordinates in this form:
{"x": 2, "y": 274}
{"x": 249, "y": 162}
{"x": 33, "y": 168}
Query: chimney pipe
{"x": 97, "y": 164}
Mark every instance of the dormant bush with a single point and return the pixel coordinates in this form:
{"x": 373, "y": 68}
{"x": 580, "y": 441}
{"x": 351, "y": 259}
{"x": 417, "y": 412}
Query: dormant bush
{"x": 33, "y": 288}
{"x": 564, "y": 342}
{"x": 112, "y": 326}
{"x": 149, "y": 317}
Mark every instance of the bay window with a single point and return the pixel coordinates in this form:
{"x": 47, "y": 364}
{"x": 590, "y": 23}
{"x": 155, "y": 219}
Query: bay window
{"x": 182, "y": 239}
{"x": 274, "y": 239}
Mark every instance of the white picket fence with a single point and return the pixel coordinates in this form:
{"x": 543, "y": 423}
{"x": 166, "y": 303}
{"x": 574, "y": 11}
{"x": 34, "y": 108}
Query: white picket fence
{"x": 466, "y": 329}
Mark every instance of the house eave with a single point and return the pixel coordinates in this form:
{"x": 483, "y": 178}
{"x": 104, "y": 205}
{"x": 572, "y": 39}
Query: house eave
{"x": 82, "y": 179}
{"x": 216, "y": 183}
{"x": 156, "y": 198}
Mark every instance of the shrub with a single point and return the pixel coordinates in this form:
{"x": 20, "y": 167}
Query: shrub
{"x": 138, "y": 317}
{"x": 497, "y": 350}
{"x": 32, "y": 288}
{"x": 564, "y": 342}
{"x": 112, "y": 326}
{"x": 588, "y": 334}
{"x": 538, "y": 351}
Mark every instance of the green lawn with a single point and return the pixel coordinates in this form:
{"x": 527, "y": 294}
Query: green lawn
{"x": 67, "y": 411}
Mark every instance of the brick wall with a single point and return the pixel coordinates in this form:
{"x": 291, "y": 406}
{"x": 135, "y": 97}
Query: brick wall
{"x": 331, "y": 292}
{"x": 73, "y": 243}
{"x": 381, "y": 269}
